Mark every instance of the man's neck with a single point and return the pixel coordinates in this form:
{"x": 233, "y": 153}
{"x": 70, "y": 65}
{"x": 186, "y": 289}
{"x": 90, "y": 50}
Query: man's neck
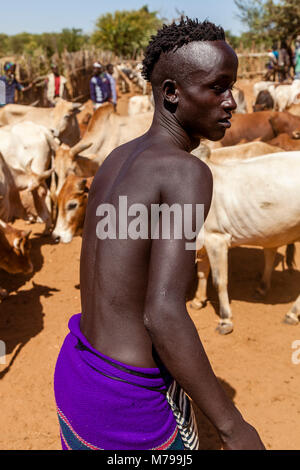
{"x": 167, "y": 127}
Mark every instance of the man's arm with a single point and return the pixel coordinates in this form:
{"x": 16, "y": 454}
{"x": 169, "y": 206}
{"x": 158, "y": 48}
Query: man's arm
{"x": 173, "y": 333}
{"x": 22, "y": 88}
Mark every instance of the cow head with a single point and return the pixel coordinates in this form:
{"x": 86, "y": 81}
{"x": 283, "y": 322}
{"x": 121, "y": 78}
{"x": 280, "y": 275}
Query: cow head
{"x": 62, "y": 113}
{"x": 285, "y": 123}
{"x": 15, "y": 250}
{"x": 72, "y": 202}
{"x": 65, "y": 162}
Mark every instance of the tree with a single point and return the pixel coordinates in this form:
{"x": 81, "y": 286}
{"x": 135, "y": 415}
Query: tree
{"x": 126, "y": 33}
{"x": 72, "y": 40}
{"x": 269, "y": 21}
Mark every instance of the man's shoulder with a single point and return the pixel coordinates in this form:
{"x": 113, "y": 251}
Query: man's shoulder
{"x": 184, "y": 162}
{"x": 94, "y": 80}
{"x": 175, "y": 167}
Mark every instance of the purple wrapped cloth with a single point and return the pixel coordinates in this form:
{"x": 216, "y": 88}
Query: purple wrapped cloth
{"x": 104, "y": 404}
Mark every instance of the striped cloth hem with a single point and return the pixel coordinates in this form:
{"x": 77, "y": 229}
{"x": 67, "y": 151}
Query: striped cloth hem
{"x": 184, "y": 415}
{"x": 73, "y": 441}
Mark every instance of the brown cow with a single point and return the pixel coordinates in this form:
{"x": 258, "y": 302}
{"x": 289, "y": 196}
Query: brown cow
{"x": 84, "y": 116}
{"x": 68, "y": 161}
{"x": 286, "y": 123}
{"x": 14, "y": 251}
{"x": 72, "y": 202}
{"x": 263, "y": 125}
{"x": 285, "y": 142}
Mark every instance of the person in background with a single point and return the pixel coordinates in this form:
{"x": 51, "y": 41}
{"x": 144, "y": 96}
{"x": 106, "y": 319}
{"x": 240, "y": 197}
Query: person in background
{"x": 55, "y": 86}
{"x": 100, "y": 88}
{"x": 284, "y": 62}
{"x": 110, "y": 71}
{"x": 272, "y": 64}
{"x": 9, "y": 84}
{"x": 297, "y": 59}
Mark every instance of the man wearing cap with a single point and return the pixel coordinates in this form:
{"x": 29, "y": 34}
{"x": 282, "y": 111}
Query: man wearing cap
{"x": 113, "y": 86}
{"x": 55, "y": 86}
{"x": 9, "y": 84}
{"x": 100, "y": 88}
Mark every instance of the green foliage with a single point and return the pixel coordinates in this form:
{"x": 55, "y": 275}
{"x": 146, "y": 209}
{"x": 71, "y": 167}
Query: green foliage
{"x": 126, "y": 33}
{"x": 270, "y": 20}
{"x": 70, "y": 40}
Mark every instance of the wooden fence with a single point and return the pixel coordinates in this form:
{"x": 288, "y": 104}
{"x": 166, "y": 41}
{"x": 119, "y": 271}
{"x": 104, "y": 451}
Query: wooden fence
{"x": 77, "y": 68}
{"x": 252, "y": 64}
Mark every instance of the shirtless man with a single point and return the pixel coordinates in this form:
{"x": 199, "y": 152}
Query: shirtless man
{"x": 134, "y": 349}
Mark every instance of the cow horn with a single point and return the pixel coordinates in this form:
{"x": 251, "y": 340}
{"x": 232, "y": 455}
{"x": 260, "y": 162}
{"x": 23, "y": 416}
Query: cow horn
{"x": 76, "y": 105}
{"x": 17, "y": 243}
{"x": 28, "y": 169}
{"x": 80, "y": 147}
{"x": 45, "y": 175}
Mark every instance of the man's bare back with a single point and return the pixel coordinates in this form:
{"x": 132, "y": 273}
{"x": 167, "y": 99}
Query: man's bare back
{"x": 114, "y": 273}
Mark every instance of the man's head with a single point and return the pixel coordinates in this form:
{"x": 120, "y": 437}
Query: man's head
{"x": 97, "y": 68}
{"x": 192, "y": 70}
{"x": 54, "y": 69}
{"x": 9, "y": 68}
{"x": 110, "y": 69}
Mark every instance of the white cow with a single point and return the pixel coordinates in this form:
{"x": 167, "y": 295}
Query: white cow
{"x": 10, "y": 203}
{"x": 139, "y": 104}
{"x": 27, "y": 149}
{"x": 255, "y": 202}
{"x": 264, "y": 85}
{"x": 61, "y": 119}
{"x": 286, "y": 95}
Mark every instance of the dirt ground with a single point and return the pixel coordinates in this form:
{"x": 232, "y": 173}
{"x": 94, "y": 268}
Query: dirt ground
{"x": 254, "y": 363}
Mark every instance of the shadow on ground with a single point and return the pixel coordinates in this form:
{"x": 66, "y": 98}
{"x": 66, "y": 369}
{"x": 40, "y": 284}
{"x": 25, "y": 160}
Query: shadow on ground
{"x": 21, "y": 318}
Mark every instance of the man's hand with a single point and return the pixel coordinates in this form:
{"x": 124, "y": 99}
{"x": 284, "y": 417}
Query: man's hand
{"x": 242, "y": 437}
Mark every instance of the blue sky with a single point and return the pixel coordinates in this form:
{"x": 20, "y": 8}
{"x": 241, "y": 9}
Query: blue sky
{"x": 37, "y": 16}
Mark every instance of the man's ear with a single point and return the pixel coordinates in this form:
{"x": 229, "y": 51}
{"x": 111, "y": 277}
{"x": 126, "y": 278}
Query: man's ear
{"x": 170, "y": 94}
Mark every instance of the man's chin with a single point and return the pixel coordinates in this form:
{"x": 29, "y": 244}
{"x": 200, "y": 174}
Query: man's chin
{"x": 217, "y": 134}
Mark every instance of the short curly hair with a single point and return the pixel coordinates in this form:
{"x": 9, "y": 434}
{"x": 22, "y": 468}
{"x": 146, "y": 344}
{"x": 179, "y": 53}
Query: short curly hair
{"x": 172, "y": 37}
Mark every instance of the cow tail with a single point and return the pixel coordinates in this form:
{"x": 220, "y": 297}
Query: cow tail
{"x": 290, "y": 256}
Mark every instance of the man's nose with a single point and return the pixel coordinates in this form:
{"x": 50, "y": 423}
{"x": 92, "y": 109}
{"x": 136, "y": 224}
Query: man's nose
{"x": 230, "y": 102}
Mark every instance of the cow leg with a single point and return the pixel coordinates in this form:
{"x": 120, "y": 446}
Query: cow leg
{"x": 203, "y": 269}
{"x": 265, "y": 283}
{"x": 39, "y": 197}
{"x": 217, "y": 250}
{"x": 293, "y": 315}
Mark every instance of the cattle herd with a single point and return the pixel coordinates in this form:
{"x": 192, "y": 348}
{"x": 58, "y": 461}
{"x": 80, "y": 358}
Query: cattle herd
{"x": 49, "y": 156}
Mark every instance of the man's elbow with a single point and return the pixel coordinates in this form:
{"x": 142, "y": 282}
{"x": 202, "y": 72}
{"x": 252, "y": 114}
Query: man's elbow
{"x": 161, "y": 315}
